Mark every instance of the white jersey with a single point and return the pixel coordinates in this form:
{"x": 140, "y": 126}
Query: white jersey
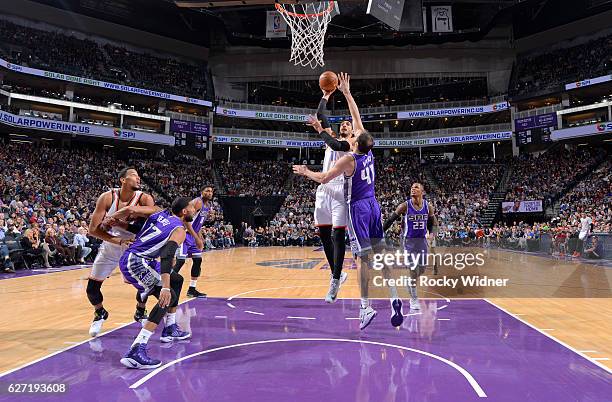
{"x": 116, "y": 231}
{"x": 585, "y": 225}
{"x": 331, "y": 157}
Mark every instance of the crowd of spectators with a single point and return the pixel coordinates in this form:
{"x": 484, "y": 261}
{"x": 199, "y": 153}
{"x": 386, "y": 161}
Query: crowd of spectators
{"x": 57, "y": 51}
{"x": 548, "y": 175}
{"x": 47, "y": 195}
{"x": 254, "y": 178}
{"x": 548, "y": 71}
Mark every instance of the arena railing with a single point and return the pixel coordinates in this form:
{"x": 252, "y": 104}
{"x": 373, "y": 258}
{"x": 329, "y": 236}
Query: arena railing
{"x": 367, "y": 110}
{"x": 243, "y": 132}
{"x": 538, "y": 111}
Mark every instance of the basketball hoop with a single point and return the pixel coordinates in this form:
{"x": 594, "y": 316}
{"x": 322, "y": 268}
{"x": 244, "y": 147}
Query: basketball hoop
{"x": 308, "y": 23}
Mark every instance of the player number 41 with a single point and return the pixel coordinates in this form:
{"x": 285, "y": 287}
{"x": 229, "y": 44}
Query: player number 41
{"x": 367, "y": 174}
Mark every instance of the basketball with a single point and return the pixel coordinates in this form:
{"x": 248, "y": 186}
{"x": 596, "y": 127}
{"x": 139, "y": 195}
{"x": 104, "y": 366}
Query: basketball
{"x": 328, "y": 81}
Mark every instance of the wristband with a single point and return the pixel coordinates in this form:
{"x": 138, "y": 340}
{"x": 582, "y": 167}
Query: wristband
{"x": 166, "y": 289}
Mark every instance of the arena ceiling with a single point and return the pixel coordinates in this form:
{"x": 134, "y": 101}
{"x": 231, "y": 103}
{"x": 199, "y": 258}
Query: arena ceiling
{"x": 242, "y": 22}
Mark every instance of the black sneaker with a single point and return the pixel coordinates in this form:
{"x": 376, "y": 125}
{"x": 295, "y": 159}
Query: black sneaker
{"x": 140, "y": 315}
{"x": 193, "y": 292}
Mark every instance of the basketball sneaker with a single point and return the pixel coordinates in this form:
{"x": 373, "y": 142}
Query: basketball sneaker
{"x": 98, "y": 321}
{"x": 415, "y": 304}
{"x": 137, "y": 358}
{"x": 332, "y": 293}
{"x": 343, "y": 277}
{"x": 193, "y": 292}
{"x": 366, "y": 315}
{"x": 140, "y": 315}
{"x": 397, "y": 315}
{"x": 173, "y": 333}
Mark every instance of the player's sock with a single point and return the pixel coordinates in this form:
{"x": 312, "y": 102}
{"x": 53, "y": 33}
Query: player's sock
{"x": 364, "y": 302}
{"x": 101, "y": 313}
{"x": 325, "y": 233}
{"x": 170, "y": 319}
{"x": 193, "y": 283}
{"x": 338, "y": 237}
{"x": 413, "y": 292}
{"x": 143, "y": 337}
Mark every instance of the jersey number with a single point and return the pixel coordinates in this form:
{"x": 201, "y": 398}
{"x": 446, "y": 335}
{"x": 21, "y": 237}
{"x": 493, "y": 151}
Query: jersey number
{"x": 418, "y": 225}
{"x": 366, "y": 175}
{"x": 151, "y": 232}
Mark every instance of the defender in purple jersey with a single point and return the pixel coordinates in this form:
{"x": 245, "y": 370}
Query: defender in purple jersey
{"x": 160, "y": 237}
{"x": 191, "y": 247}
{"x": 419, "y": 220}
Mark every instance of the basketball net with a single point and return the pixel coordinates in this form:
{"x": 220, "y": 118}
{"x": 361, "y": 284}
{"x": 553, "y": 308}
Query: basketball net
{"x": 308, "y": 23}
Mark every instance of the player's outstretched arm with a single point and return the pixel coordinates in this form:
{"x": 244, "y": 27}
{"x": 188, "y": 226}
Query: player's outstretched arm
{"x": 399, "y": 211}
{"x": 345, "y": 165}
{"x": 344, "y": 86}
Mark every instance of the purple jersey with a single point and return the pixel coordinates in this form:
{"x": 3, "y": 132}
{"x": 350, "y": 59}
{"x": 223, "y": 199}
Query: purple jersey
{"x": 200, "y": 218}
{"x": 154, "y": 234}
{"x": 415, "y": 221}
{"x": 360, "y": 185}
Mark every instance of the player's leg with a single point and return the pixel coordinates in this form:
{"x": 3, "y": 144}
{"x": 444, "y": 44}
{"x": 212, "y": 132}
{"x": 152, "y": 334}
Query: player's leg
{"x": 103, "y": 266}
{"x": 136, "y": 271}
{"x": 196, "y": 270}
{"x": 339, "y": 221}
{"x": 323, "y": 220}
{"x": 358, "y": 228}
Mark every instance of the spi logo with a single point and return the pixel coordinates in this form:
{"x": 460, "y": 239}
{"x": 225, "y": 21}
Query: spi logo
{"x": 229, "y": 112}
{"x": 601, "y": 127}
{"x": 583, "y": 83}
{"x": 500, "y": 106}
{"x": 124, "y": 134}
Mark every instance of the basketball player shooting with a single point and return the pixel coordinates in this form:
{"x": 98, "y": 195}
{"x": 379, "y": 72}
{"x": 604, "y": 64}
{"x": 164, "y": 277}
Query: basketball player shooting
{"x": 330, "y": 205}
{"x": 364, "y": 217}
{"x": 419, "y": 219}
{"x": 192, "y": 248}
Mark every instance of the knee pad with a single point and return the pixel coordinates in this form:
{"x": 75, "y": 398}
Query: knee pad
{"x": 196, "y": 267}
{"x": 94, "y": 294}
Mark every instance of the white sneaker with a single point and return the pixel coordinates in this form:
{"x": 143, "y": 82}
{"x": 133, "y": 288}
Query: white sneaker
{"x": 96, "y": 327}
{"x": 332, "y": 294}
{"x": 415, "y": 304}
{"x": 343, "y": 277}
{"x": 366, "y": 315}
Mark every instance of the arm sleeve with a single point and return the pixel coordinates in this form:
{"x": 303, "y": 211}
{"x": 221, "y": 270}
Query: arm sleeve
{"x": 334, "y": 143}
{"x": 392, "y": 218}
{"x": 166, "y": 256}
{"x": 321, "y": 113}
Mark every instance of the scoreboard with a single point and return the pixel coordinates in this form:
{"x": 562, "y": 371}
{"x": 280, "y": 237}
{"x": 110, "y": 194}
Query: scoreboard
{"x": 190, "y": 134}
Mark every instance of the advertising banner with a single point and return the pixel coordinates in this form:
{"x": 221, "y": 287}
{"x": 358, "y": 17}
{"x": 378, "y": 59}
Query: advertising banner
{"x": 83, "y": 129}
{"x": 102, "y": 84}
{"x": 582, "y": 131}
{"x": 522, "y": 206}
{"x": 588, "y": 82}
